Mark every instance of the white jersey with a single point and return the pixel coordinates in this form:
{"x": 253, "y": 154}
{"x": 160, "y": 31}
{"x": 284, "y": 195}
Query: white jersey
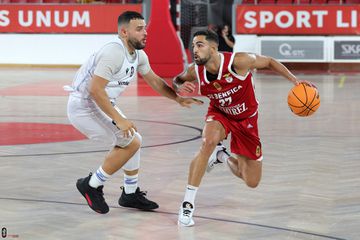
{"x": 113, "y": 63}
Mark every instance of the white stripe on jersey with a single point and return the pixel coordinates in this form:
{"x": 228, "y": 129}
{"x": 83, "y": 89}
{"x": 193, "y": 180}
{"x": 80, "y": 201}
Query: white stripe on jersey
{"x": 242, "y": 78}
{"x": 198, "y": 78}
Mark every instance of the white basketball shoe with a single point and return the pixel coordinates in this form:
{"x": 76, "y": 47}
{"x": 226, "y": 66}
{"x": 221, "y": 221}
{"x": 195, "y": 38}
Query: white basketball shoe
{"x": 185, "y": 215}
{"x": 213, "y": 159}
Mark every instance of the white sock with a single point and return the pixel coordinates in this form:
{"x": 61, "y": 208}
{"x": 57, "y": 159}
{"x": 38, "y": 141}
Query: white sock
{"x": 222, "y": 156}
{"x": 130, "y": 183}
{"x": 190, "y": 194}
{"x": 99, "y": 178}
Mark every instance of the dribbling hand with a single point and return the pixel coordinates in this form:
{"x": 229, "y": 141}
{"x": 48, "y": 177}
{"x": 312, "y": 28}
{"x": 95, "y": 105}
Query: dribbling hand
{"x": 306, "y": 83}
{"x": 187, "y": 87}
{"x": 186, "y": 102}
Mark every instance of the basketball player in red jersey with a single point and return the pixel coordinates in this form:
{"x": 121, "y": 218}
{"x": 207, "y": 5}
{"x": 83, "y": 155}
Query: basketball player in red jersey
{"x": 226, "y": 79}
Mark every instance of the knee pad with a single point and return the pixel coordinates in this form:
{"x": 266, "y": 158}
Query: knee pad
{"x": 134, "y": 162}
{"x": 139, "y": 137}
{"x": 122, "y": 142}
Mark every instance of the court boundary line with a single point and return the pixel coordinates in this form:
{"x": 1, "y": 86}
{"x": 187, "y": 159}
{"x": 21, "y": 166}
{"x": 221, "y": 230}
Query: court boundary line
{"x": 106, "y": 150}
{"x": 197, "y": 216}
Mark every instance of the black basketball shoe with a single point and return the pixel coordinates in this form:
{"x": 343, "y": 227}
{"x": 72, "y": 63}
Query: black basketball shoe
{"x": 94, "y": 196}
{"x": 136, "y": 200}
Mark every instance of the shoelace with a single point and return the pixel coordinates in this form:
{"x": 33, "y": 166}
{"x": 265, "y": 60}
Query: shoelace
{"x": 141, "y": 196}
{"x": 142, "y": 193}
{"x": 214, "y": 163}
{"x": 100, "y": 195}
{"x": 186, "y": 212}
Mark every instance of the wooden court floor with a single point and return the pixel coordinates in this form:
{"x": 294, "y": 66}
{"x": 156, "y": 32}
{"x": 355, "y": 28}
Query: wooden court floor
{"x": 311, "y": 169}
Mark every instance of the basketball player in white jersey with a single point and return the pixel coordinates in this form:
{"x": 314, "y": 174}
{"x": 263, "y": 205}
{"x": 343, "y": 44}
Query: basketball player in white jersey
{"x": 92, "y": 110}
{"x": 226, "y": 79}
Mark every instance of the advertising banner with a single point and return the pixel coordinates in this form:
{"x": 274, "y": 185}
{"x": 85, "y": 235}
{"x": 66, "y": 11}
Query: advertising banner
{"x": 293, "y": 49}
{"x": 84, "y": 18}
{"x": 346, "y": 50}
{"x": 298, "y": 20}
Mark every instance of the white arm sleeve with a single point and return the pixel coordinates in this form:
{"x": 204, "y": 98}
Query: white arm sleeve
{"x": 144, "y": 65}
{"x": 109, "y": 61}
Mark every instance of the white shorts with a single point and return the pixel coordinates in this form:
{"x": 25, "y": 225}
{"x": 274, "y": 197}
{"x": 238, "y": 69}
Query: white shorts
{"x": 91, "y": 121}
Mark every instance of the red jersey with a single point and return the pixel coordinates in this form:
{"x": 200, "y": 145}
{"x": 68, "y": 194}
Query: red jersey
{"x": 232, "y": 94}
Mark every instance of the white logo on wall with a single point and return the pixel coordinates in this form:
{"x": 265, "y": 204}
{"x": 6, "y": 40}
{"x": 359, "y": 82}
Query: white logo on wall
{"x": 347, "y": 50}
{"x": 285, "y": 49}
{"x": 350, "y": 49}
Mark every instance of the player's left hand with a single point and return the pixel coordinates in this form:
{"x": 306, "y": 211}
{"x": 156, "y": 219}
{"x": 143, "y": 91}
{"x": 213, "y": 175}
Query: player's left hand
{"x": 186, "y": 102}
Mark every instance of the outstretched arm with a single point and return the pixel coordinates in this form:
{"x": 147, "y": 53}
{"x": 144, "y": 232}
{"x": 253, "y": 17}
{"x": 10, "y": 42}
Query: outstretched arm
{"x": 159, "y": 85}
{"x": 247, "y": 61}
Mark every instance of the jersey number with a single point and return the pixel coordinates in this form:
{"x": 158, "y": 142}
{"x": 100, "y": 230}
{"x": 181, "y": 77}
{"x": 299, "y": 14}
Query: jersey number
{"x": 226, "y": 101}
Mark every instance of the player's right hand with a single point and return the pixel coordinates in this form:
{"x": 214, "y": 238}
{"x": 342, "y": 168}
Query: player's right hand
{"x": 307, "y": 83}
{"x": 187, "y": 87}
{"x": 127, "y": 127}
{"x": 186, "y": 102}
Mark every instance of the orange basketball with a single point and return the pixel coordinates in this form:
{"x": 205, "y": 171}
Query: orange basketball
{"x": 303, "y": 100}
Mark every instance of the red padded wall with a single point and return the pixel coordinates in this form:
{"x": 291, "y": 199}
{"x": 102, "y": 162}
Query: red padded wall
{"x": 163, "y": 46}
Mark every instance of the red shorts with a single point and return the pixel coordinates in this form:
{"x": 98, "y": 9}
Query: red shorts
{"x": 245, "y": 138}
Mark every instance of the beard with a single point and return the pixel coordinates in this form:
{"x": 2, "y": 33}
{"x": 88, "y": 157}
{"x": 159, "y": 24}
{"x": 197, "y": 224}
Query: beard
{"x": 201, "y": 61}
{"x": 136, "y": 44}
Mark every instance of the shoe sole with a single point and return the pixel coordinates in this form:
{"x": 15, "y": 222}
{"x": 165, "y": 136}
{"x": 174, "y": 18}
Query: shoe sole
{"x": 83, "y": 194}
{"x": 208, "y": 168}
{"x": 143, "y": 209}
{"x": 192, "y": 223}
{"x": 213, "y": 164}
